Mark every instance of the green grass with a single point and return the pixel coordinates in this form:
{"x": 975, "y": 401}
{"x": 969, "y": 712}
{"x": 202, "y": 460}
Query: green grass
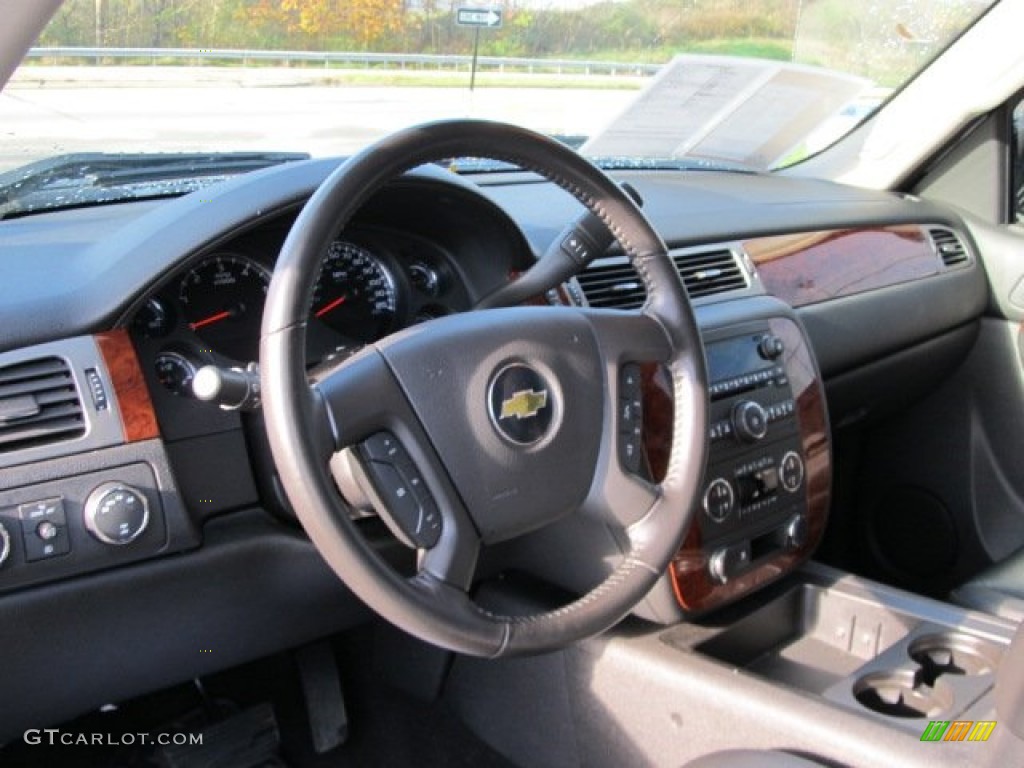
{"x": 781, "y": 50}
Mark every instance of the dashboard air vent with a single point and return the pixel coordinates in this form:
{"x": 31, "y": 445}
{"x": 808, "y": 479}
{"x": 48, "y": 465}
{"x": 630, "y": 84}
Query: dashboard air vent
{"x": 709, "y": 272}
{"x": 950, "y": 247}
{"x": 613, "y": 283}
{"x": 38, "y": 404}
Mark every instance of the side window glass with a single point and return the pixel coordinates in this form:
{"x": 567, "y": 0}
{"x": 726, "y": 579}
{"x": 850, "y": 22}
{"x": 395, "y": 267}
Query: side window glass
{"x": 1018, "y": 161}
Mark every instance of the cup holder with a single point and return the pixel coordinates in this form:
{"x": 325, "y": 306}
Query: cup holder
{"x": 953, "y": 653}
{"x": 949, "y": 665}
{"x": 903, "y": 693}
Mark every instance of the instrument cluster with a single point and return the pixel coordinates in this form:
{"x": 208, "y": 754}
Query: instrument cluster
{"x": 369, "y": 285}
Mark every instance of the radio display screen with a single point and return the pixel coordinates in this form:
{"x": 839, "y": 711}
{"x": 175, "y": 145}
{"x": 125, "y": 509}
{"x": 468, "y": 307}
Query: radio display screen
{"x": 733, "y": 357}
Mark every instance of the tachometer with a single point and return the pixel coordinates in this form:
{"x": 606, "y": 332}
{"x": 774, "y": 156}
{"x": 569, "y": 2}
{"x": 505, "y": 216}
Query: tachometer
{"x": 355, "y": 293}
{"x": 222, "y": 301}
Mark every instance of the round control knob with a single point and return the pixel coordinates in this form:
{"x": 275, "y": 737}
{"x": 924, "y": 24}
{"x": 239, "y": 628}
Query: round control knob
{"x": 5, "y": 543}
{"x": 791, "y": 471}
{"x": 719, "y": 499}
{"x": 717, "y": 566}
{"x": 749, "y": 421}
{"x": 116, "y": 513}
{"x": 728, "y": 562}
{"x": 770, "y": 347}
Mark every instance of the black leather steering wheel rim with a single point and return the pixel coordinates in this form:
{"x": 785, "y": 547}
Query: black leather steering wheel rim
{"x": 431, "y": 605}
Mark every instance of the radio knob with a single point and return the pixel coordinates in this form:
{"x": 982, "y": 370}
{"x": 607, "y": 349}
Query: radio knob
{"x": 749, "y": 421}
{"x": 770, "y": 347}
{"x": 116, "y": 513}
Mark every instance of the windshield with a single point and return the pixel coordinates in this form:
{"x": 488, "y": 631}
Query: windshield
{"x": 740, "y": 84}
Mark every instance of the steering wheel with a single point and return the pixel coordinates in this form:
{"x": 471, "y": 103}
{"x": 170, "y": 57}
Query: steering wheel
{"x": 480, "y": 427}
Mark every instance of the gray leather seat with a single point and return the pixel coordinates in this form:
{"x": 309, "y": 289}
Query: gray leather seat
{"x": 999, "y": 589}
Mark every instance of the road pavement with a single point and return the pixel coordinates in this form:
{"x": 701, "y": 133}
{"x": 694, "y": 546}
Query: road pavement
{"x": 264, "y": 109}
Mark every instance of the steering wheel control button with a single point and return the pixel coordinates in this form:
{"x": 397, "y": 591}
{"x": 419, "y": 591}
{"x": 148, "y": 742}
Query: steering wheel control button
{"x": 631, "y": 418}
{"x": 629, "y": 382}
{"x": 719, "y": 500}
{"x": 791, "y": 471}
{"x": 116, "y": 513}
{"x": 521, "y": 405}
{"x": 384, "y": 447}
{"x": 401, "y": 489}
{"x": 749, "y": 421}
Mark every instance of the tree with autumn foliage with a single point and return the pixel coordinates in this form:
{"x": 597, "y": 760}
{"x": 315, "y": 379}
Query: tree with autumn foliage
{"x": 360, "y": 22}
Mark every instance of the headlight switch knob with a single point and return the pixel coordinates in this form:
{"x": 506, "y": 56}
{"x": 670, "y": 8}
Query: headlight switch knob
{"x": 116, "y": 513}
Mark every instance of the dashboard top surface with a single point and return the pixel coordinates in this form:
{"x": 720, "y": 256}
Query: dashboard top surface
{"x": 80, "y": 271}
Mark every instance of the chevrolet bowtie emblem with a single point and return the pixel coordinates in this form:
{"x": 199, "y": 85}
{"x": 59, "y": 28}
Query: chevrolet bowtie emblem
{"x": 524, "y": 404}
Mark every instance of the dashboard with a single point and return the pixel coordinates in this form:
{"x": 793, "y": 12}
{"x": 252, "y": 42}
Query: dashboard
{"x": 784, "y": 274}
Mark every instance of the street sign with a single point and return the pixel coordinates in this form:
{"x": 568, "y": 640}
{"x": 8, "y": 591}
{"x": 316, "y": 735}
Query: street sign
{"x": 478, "y": 17}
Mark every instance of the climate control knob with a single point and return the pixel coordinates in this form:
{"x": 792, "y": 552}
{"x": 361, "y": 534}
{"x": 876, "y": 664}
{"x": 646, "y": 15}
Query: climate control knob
{"x": 719, "y": 500}
{"x": 791, "y": 471}
{"x": 116, "y": 513}
{"x": 749, "y": 421}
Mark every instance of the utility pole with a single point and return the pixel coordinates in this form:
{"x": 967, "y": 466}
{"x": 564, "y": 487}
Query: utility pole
{"x": 98, "y": 9}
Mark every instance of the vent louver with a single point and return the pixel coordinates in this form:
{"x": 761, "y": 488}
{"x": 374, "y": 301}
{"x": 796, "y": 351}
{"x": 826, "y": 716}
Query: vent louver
{"x": 949, "y": 246}
{"x": 39, "y": 404}
{"x": 614, "y": 284}
{"x": 710, "y": 272}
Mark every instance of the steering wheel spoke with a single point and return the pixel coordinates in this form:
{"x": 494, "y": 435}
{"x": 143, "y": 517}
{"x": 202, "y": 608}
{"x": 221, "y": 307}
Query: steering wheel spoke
{"x": 626, "y": 485}
{"x": 383, "y": 463}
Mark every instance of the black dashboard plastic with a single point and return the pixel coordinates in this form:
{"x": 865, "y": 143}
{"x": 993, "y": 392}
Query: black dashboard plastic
{"x": 254, "y": 586}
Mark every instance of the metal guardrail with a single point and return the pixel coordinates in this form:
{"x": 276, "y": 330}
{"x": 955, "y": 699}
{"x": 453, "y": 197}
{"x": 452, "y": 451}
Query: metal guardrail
{"x": 339, "y": 58}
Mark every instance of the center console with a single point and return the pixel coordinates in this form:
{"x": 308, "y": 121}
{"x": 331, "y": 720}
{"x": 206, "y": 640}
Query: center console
{"x": 764, "y": 503}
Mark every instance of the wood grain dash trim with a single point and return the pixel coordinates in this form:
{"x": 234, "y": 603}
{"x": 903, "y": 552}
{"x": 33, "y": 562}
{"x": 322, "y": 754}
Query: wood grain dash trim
{"x": 137, "y": 415}
{"x": 810, "y": 267}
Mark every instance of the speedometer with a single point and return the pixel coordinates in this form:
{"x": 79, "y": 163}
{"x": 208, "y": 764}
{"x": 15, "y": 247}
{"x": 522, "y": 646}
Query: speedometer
{"x": 355, "y": 293}
{"x": 222, "y": 301}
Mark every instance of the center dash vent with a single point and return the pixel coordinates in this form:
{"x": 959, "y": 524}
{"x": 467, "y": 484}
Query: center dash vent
{"x": 950, "y": 247}
{"x": 709, "y": 272}
{"x": 39, "y": 404}
{"x": 613, "y": 283}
